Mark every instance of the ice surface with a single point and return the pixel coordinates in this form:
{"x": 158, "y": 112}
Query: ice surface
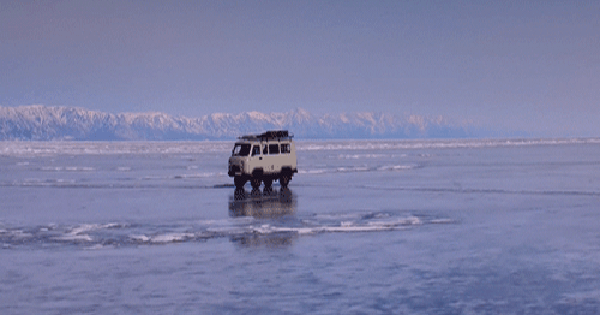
{"x": 33, "y": 149}
{"x": 414, "y": 227}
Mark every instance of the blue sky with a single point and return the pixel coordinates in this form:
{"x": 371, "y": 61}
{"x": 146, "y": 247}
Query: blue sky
{"x": 511, "y": 65}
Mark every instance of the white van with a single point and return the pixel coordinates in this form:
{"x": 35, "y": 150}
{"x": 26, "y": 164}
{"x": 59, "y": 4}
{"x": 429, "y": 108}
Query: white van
{"x": 263, "y": 158}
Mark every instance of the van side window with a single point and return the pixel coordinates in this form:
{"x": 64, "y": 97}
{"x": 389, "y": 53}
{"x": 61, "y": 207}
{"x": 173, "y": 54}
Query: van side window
{"x": 255, "y": 150}
{"x": 273, "y": 148}
{"x": 285, "y": 148}
{"x": 265, "y": 149}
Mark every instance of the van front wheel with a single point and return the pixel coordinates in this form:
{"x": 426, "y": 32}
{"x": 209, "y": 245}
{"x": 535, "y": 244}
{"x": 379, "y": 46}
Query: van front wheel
{"x": 239, "y": 182}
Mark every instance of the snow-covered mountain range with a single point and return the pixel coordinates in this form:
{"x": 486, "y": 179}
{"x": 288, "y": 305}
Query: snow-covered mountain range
{"x": 42, "y": 123}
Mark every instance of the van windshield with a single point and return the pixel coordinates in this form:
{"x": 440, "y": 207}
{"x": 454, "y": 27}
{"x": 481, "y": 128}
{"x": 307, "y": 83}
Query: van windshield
{"x": 241, "y": 149}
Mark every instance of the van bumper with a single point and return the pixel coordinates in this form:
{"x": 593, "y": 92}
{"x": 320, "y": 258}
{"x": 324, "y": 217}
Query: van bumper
{"x": 234, "y": 171}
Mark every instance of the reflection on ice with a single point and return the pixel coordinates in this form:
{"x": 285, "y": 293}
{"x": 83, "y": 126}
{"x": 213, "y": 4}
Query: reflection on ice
{"x": 267, "y": 204}
{"x": 264, "y": 206}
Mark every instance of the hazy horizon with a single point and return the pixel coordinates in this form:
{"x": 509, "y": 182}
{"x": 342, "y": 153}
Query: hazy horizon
{"x": 510, "y": 66}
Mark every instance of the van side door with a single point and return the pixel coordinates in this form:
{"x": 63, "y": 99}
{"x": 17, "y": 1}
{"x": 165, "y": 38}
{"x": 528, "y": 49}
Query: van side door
{"x": 255, "y": 157}
{"x": 267, "y": 158}
{"x": 274, "y": 164}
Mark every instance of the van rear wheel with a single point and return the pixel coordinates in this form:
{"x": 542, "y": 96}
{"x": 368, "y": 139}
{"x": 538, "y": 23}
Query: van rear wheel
{"x": 255, "y": 183}
{"x": 284, "y": 181}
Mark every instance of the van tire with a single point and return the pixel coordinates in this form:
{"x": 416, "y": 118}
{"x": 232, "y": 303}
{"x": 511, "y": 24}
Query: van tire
{"x": 268, "y": 183}
{"x": 255, "y": 182}
{"x": 284, "y": 181}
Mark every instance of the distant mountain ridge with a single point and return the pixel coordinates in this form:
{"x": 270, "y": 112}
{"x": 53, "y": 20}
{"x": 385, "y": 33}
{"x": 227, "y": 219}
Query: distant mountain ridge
{"x": 50, "y": 123}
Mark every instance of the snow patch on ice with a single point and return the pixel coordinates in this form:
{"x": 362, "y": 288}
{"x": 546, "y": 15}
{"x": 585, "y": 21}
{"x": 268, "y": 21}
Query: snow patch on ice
{"x": 139, "y": 238}
{"x": 356, "y": 169}
{"x": 312, "y": 171}
{"x": 67, "y": 168}
{"x": 171, "y": 237}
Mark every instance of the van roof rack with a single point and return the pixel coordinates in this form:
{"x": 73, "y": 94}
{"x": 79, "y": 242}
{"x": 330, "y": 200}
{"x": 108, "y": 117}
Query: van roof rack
{"x": 269, "y": 136}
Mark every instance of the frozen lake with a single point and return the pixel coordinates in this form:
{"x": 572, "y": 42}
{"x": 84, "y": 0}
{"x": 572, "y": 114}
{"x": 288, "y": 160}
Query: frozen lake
{"x": 367, "y": 227}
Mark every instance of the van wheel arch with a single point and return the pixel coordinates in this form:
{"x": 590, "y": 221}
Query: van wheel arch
{"x": 257, "y": 172}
